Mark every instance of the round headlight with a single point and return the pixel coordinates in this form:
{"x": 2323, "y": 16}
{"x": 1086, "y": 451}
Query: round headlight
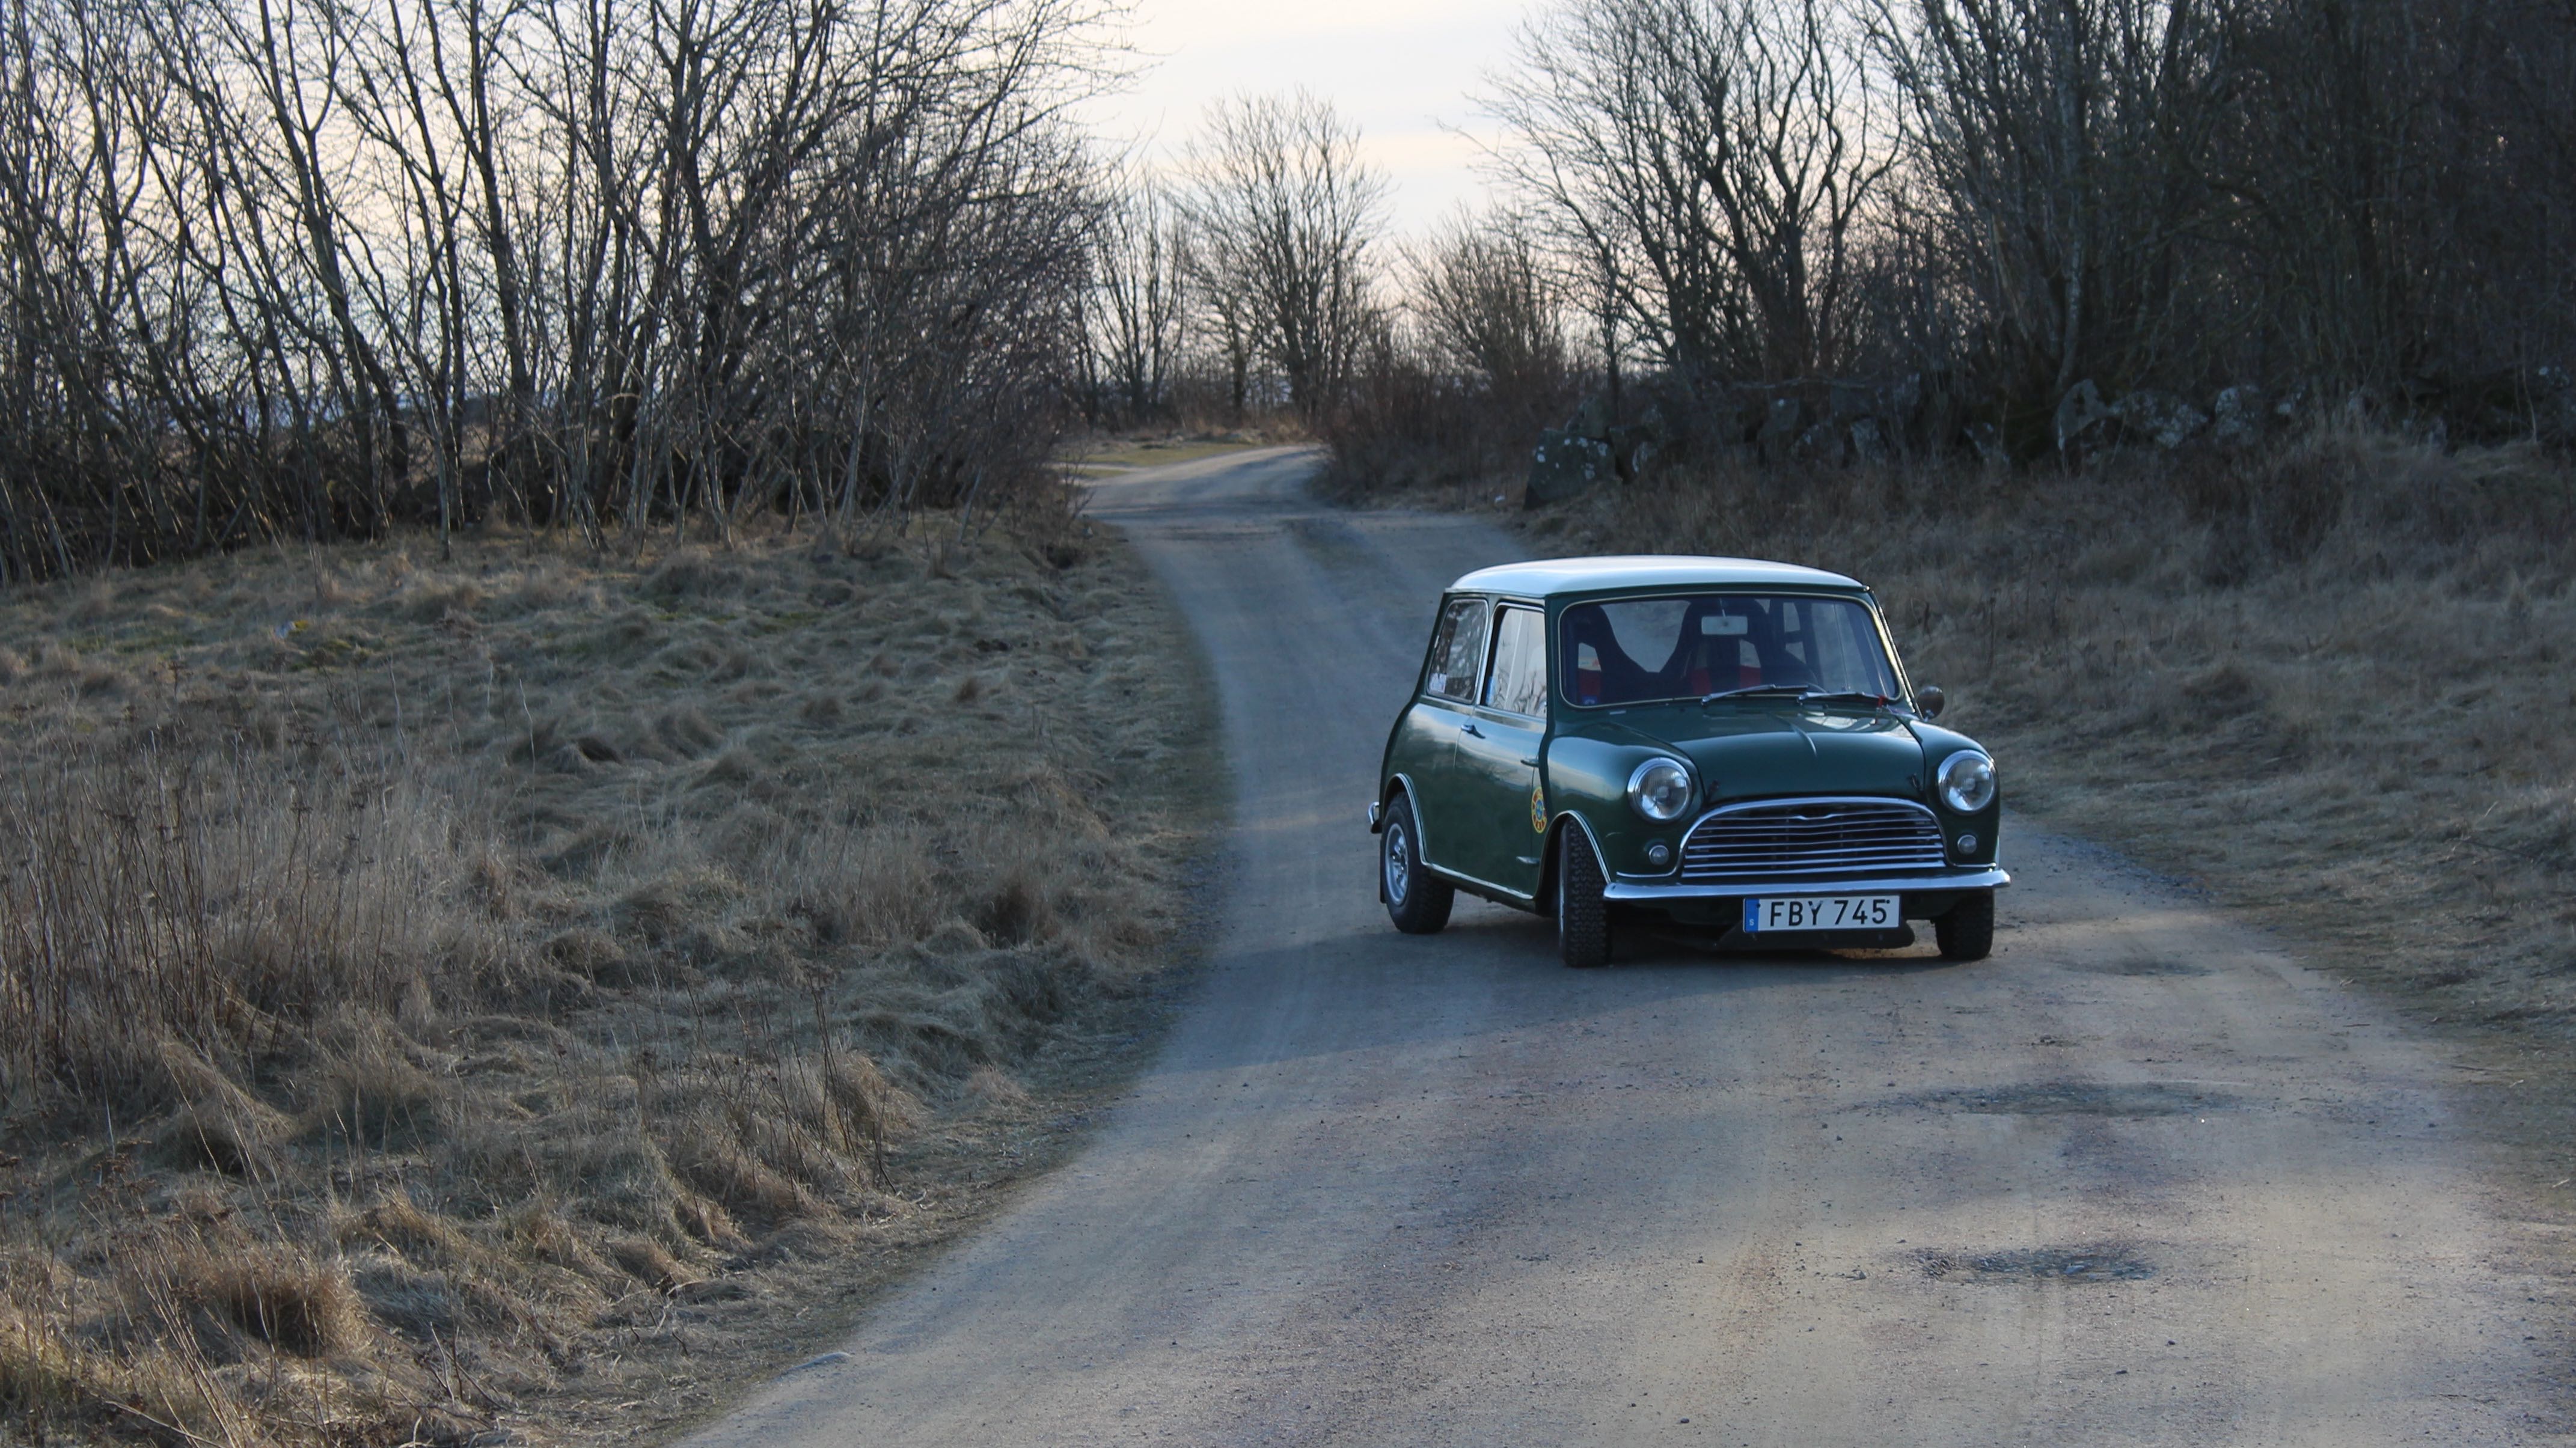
{"x": 1967, "y": 781}
{"x": 1660, "y": 789}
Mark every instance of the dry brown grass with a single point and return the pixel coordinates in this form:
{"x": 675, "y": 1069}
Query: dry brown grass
{"x": 2330, "y": 682}
{"x": 430, "y": 981}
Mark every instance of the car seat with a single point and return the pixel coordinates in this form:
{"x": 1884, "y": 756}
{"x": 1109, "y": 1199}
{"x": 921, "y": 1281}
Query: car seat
{"x": 1611, "y": 677}
{"x": 1715, "y": 661}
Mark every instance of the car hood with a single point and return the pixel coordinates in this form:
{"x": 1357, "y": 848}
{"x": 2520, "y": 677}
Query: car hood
{"x": 1752, "y": 750}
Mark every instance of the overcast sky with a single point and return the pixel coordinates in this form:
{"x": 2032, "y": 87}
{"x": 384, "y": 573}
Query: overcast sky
{"x": 1402, "y": 70}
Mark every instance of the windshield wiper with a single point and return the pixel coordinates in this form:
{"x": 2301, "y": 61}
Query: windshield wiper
{"x": 1799, "y": 690}
{"x": 1804, "y": 693}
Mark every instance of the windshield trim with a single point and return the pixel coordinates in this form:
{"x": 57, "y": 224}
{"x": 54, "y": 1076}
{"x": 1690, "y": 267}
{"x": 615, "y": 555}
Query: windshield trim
{"x": 1561, "y": 673}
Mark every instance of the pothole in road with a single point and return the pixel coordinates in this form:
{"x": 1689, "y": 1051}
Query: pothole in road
{"x": 2044, "y": 1264}
{"x": 2078, "y": 1098}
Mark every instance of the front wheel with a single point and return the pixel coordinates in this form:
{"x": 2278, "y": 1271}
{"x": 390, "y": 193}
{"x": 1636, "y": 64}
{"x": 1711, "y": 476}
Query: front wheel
{"x": 1582, "y": 916}
{"x": 1967, "y": 930}
{"x": 1416, "y": 900}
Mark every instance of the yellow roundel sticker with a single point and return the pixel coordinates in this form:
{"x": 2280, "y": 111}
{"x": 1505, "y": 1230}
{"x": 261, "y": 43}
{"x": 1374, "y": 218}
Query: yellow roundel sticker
{"x": 1538, "y": 807}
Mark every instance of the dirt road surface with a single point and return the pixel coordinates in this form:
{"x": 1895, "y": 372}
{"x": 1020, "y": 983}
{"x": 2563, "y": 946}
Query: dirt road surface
{"x": 2138, "y": 1178}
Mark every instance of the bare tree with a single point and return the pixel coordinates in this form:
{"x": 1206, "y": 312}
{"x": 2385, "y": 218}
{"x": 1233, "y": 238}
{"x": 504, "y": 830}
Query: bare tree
{"x": 1707, "y": 163}
{"x": 1489, "y": 304}
{"x": 1140, "y": 299}
{"x": 2061, "y": 152}
{"x": 1285, "y": 219}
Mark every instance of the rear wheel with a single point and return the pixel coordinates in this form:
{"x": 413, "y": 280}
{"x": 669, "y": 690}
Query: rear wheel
{"x": 1967, "y": 930}
{"x": 1416, "y": 901}
{"x": 1582, "y": 917}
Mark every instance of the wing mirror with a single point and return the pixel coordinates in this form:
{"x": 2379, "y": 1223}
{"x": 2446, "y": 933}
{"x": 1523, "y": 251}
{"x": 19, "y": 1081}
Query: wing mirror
{"x": 1928, "y": 701}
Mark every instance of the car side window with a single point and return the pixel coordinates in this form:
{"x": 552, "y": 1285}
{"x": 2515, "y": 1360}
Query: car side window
{"x": 1519, "y": 682}
{"x": 1457, "y": 648}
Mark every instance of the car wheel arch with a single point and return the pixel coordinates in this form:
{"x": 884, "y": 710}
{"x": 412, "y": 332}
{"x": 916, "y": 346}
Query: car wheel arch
{"x": 1397, "y": 784}
{"x": 1545, "y": 900}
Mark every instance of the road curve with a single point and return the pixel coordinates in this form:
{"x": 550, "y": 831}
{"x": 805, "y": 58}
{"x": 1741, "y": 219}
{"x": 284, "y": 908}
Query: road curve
{"x": 2136, "y": 1179}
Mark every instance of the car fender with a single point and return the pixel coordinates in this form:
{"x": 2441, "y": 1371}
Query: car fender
{"x": 1397, "y": 783}
{"x": 1545, "y": 901}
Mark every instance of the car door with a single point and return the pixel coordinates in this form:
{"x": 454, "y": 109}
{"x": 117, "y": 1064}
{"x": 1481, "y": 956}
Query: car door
{"x": 1498, "y": 755}
{"x": 1427, "y": 751}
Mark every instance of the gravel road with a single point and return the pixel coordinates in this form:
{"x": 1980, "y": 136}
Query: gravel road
{"x": 2138, "y": 1178}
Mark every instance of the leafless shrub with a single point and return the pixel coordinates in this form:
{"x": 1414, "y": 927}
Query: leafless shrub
{"x": 1490, "y": 306}
{"x": 1137, "y": 308}
{"x": 1283, "y": 218}
{"x": 2059, "y": 160}
{"x": 1709, "y": 163}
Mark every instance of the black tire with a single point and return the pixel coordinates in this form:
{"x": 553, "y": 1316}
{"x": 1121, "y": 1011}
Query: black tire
{"x": 1416, "y": 900}
{"x": 1967, "y": 930}
{"x": 1582, "y": 917}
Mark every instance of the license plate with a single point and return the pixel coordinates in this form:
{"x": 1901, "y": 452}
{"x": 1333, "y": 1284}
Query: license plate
{"x": 1774, "y": 914}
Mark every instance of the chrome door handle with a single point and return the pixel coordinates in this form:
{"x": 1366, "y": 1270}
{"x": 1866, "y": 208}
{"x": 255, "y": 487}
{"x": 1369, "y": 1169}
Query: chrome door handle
{"x": 1469, "y": 728}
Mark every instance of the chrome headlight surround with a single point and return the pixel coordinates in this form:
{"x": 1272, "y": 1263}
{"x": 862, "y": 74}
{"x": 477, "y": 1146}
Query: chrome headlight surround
{"x": 1660, "y": 790}
{"x": 1967, "y": 781}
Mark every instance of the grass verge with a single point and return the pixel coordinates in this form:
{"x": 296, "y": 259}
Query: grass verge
{"x": 534, "y": 990}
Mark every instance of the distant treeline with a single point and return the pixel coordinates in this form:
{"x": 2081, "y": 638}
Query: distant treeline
{"x": 308, "y": 268}
{"x": 2362, "y": 203}
{"x": 311, "y": 268}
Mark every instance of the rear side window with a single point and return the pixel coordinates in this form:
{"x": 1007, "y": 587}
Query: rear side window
{"x": 1457, "y": 648}
{"x": 1519, "y": 684}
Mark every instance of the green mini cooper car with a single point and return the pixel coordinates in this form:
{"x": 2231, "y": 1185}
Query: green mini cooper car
{"x": 1714, "y": 744}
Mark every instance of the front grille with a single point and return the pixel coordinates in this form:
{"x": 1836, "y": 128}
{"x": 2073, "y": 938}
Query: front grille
{"x": 1841, "y": 838}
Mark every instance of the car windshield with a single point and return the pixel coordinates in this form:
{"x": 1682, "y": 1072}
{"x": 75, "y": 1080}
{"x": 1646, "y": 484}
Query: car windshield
{"x": 1690, "y": 646}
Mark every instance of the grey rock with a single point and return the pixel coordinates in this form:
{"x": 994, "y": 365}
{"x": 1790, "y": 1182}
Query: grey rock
{"x": 2161, "y": 418}
{"x": 1821, "y": 443}
{"x": 2238, "y": 417}
{"x": 1565, "y": 465}
{"x": 2080, "y": 411}
{"x": 1631, "y": 449}
{"x": 1988, "y": 443}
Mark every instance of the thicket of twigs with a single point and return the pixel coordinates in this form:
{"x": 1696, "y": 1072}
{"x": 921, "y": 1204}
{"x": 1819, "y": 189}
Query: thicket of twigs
{"x": 298, "y": 270}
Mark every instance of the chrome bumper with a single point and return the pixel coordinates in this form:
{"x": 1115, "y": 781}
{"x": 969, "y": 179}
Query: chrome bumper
{"x": 1623, "y": 892}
